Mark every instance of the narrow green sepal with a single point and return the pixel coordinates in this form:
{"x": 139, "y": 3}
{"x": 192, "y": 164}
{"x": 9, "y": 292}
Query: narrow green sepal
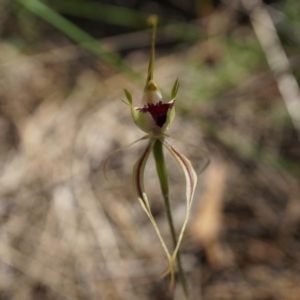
{"x": 128, "y": 96}
{"x": 139, "y": 190}
{"x": 175, "y": 89}
{"x": 170, "y": 117}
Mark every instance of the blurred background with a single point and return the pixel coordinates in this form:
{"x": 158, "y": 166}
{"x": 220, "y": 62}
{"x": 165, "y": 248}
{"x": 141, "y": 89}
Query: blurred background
{"x": 68, "y": 234}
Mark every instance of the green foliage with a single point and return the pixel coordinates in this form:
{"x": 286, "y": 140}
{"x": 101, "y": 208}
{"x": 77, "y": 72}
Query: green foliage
{"x": 75, "y": 33}
{"x": 92, "y": 10}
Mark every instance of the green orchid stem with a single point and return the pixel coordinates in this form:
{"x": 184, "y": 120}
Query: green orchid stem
{"x": 163, "y": 178}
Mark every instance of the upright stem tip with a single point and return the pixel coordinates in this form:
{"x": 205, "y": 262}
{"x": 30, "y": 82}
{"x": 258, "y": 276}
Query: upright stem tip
{"x": 150, "y": 85}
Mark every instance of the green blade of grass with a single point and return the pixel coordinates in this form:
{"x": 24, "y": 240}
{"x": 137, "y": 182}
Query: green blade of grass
{"x": 76, "y": 34}
{"x": 110, "y": 14}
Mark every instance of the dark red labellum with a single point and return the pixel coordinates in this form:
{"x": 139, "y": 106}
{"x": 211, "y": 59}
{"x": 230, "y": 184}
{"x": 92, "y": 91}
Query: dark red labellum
{"x": 158, "y": 111}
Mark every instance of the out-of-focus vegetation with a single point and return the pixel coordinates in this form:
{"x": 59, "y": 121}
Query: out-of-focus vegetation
{"x": 65, "y": 232}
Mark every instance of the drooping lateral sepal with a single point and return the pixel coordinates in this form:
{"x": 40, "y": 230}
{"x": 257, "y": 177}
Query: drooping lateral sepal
{"x": 191, "y": 182}
{"x": 139, "y": 190}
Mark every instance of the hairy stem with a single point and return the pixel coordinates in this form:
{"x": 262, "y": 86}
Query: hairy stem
{"x": 163, "y": 179}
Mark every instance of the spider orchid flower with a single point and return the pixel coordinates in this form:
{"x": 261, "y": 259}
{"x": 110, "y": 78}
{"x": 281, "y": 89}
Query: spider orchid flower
{"x": 154, "y": 117}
